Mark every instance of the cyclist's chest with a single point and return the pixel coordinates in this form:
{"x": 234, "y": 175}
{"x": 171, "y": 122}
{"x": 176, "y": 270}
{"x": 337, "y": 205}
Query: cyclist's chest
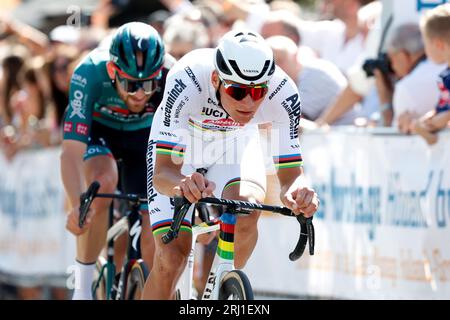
{"x": 212, "y": 118}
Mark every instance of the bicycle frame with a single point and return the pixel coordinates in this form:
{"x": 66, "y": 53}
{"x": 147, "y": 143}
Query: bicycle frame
{"x": 130, "y": 222}
{"x": 223, "y": 260}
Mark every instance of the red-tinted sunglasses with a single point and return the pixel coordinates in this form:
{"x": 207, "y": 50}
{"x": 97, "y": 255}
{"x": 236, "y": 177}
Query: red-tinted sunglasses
{"x": 240, "y": 91}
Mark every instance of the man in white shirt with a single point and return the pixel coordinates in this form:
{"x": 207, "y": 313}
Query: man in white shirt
{"x": 416, "y": 92}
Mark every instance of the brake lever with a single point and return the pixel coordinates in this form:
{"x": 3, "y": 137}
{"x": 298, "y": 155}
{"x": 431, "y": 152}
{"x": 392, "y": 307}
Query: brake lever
{"x": 307, "y": 235}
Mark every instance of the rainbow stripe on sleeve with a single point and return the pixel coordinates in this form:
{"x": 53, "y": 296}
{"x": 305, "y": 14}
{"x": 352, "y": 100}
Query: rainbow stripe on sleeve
{"x": 170, "y": 148}
{"x": 164, "y": 226}
{"x": 288, "y": 161}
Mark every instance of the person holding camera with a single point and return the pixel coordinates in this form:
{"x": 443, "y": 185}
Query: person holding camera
{"x": 409, "y": 90}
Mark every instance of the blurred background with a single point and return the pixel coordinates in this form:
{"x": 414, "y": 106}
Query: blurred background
{"x": 382, "y": 231}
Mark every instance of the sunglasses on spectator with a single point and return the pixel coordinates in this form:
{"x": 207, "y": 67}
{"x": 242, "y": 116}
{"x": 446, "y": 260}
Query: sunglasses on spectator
{"x": 240, "y": 91}
{"x": 131, "y": 85}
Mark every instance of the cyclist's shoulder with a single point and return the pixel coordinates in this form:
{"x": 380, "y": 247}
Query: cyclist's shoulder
{"x": 281, "y": 86}
{"x": 192, "y": 74}
{"x": 169, "y": 61}
{"x": 197, "y": 61}
{"x": 94, "y": 63}
{"x": 91, "y": 71}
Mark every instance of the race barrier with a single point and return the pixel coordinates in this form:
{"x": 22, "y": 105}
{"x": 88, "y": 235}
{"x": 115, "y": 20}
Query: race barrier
{"x": 383, "y": 228}
{"x": 35, "y": 248}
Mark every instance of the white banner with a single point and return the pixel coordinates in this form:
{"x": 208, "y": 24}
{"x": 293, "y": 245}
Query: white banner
{"x": 33, "y": 238}
{"x": 383, "y": 229}
{"x": 407, "y": 11}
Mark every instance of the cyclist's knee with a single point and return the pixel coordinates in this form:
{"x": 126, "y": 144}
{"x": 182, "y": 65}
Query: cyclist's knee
{"x": 104, "y": 170}
{"x": 108, "y": 184}
{"x": 248, "y": 224}
{"x": 245, "y": 191}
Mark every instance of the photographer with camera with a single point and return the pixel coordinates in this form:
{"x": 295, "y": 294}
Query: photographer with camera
{"x": 405, "y": 78}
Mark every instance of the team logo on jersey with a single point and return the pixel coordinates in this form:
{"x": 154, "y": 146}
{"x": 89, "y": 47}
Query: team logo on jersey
{"x": 193, "y": 78}
{"x": 82, "y": 129}
{"x": 151, "y": 193}
{"x": 211, "y": 101}
{"x": 174, "y": 93}
{"x": 226, "y": 122}
{"x": 274, "y": 93}
{"x": 214, "y": 113}
{"x": 76, "y": 104}
{"x": 292, "y": 106}
{"x": 180, "y": 107}
{"x": 68, "y": 127}
{"x": 78, "y": 80}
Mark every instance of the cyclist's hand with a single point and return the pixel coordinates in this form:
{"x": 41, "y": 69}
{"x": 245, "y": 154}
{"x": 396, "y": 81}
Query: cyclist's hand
{"x": 302, "y": 201}
{"x": 73, "y": 220}
{"x": 195, "y": 187}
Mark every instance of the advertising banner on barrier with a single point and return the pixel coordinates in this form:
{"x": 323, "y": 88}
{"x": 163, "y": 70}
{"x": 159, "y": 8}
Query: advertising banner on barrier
{"x": 33, "y": 237}
{"x": 383, "y": 228}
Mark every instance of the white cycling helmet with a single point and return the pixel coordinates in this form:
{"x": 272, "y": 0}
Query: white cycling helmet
{"x": 244, "y": 57}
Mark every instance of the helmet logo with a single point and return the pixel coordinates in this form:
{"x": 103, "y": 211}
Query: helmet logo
{"x": 245, "y": 39}
{"x": 139, "y": 43}
{"x": 250, "y": 71}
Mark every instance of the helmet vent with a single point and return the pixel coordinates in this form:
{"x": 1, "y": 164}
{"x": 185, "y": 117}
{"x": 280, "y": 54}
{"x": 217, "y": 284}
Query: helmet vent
{"x": 221, "y": 63}
{"x": 157, "y": 54}
{"x": 122, "y": 55}
{"x": 144, "y": 60}
{"x": 272, "y": 68}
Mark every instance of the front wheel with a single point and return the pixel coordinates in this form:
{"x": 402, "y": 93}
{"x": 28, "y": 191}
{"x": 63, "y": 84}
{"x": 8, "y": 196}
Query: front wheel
{"x": 136, "y": 280}
{"x": 235, "y": 286}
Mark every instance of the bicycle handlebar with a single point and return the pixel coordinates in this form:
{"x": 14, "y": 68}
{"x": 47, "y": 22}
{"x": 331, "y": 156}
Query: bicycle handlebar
{"x": 87, "y": 197}
{"x": 307, "y": 234}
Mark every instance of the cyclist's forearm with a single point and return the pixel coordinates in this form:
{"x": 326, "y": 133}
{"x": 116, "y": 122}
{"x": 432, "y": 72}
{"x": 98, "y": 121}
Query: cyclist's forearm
{"x": 72, "y": 176}
{"x": 166, "y": 182}
{"x": 290, "y": 179}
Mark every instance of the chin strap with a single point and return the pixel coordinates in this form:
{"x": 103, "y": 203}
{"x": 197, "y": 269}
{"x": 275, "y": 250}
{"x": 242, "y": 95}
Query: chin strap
{"x": 219, "y": 102}
{"x": 218, "y": 95}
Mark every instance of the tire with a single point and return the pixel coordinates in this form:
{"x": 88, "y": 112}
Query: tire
{"x": 99, "y": 288}
{"x": 235, "y": 286}
{"x": 136, "y": 280}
